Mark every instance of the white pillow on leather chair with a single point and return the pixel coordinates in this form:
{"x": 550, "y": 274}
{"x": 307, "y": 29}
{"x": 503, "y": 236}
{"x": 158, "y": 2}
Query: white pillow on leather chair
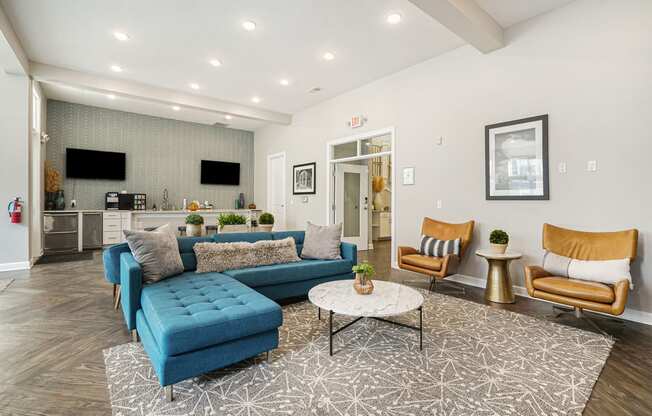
{"x": 602, "y": 271}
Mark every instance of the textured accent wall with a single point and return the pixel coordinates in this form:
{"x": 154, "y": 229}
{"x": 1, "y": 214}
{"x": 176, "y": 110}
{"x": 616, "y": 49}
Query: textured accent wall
{"x": 161, "y": 153}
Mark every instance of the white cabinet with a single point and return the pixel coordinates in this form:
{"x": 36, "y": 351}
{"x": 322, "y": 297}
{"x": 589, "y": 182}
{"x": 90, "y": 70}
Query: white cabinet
{"x": 381, "y": 224}
{"x": 114, "y": 223}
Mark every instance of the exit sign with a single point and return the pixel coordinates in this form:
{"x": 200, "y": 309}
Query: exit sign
{"x": 357, "y": 121}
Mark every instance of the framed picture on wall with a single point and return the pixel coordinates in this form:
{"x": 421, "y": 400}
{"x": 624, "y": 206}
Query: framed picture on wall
{"x": 303, "y": 179}
{"x": 516, "y": 159}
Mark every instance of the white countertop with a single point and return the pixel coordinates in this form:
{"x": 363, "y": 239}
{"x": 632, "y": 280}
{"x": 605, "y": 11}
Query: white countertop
{"x": 185, "y": 212}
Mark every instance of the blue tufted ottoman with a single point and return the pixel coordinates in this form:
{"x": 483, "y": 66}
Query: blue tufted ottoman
{"x": 195, "y": 323}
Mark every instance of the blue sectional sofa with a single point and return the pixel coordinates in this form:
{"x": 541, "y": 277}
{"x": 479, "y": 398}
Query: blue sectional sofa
{"x": 197, "y": 322}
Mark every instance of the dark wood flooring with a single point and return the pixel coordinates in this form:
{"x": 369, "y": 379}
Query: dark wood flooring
{"x": 56, "y": 319}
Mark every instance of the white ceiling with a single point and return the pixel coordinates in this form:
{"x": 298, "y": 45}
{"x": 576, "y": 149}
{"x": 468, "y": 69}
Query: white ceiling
{"x": 171, "y": 42}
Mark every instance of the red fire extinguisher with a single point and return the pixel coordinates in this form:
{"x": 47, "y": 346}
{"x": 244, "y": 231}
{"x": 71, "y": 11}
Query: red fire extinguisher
{"x": 15, "y": 209}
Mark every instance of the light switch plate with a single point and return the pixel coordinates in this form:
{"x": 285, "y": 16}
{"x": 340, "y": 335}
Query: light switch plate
{"x": 440, "y": 141}
{"x": 562, "y": 167}
{"x": 592, "y": 165}
{"x": 439, "y": 203}
{"x": 304, "y": 199}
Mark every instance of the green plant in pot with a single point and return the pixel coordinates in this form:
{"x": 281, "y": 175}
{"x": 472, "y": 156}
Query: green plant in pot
{"x": 363, "y": 274}
{"x": 498, "y": 240}
{"x": 193, "y": 225}
{"x": 232, "y": 223}
{"x": 266, "y": 221}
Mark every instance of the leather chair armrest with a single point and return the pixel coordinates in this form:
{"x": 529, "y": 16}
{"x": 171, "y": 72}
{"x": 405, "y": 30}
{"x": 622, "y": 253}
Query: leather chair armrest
{"x": 404, "y": 251}
{"x": 531, "y": 273}
{"x": 450, "y": 264}
{"x": 621, "y": 291}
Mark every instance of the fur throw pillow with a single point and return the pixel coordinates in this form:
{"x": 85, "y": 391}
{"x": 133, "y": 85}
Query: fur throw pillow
{"x": 217, "y": 257}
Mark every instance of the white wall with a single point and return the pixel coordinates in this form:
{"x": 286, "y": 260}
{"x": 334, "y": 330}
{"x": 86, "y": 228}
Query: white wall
{"x": 588, "y": 65}
{"x": 14, "y": 168}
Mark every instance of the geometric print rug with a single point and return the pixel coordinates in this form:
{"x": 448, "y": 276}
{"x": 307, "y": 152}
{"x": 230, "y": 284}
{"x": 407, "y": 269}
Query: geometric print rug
{"x": 476, "y": 360}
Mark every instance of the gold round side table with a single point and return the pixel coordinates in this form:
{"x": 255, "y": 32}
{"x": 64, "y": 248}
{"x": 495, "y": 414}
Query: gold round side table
{"x": 499, "y": 283}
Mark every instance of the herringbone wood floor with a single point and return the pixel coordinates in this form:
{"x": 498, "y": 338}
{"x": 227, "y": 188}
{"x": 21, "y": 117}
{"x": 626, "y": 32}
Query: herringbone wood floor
{"x": 56, "y": 319}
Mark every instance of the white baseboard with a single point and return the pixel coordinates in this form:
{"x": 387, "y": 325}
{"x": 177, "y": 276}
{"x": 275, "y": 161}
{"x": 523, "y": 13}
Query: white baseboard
{"x": 21, "y": 265}
{"x": 629, "y": 314}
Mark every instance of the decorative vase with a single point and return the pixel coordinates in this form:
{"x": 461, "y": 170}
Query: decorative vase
{"x": 241, "y": 200}
{"x": 235, "y": 228}
{"x": 363, "y": 285}
{"x": 193, "y": 230}
{"x": 59, "y": 201}
{"x": 265, "y": 227}
{"x": 379, "y": 202}
{"x": 498, "y": 248}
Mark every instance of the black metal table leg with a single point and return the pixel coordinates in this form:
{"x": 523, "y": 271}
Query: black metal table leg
{"x": 421, "y": 328}
{"x": 319, "y": 313}
{"x": 330, "y": 331}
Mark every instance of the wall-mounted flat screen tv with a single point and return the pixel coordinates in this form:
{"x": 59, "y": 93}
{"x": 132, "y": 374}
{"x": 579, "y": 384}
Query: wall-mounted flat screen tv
{"x": 94, "y": 164}
{"x": 220, "y": 173}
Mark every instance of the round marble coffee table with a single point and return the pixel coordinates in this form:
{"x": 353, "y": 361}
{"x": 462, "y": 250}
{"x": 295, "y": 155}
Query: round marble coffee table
{"x": 388, "y": 299}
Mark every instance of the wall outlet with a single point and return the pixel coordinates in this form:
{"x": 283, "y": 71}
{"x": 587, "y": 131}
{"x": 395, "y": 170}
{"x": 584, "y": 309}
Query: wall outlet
{"x": 592, "y": 165}
{"x": 562, "y": 167}
{"x": 439, "y": 203}
{"x": 291, "y": 201}
{"x": 304, "y": 199}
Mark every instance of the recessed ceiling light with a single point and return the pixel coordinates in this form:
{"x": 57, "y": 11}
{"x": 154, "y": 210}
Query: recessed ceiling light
{"x": 329, "y": 56}
{"x": 121, "y": 36}
{"x": 249, "y": 26}
{"x": 176, "y": 108}
{"x": 284, "y": 82}
{"x": 215, "y": 62}
{"x": 255, "y": 99}
{"x": 116, "y": 68}
{"x": 110, "y": 96}
{"x": 194, "y": 86}
{"x": 228, "y": 117}
{"x": 394, "y": 18}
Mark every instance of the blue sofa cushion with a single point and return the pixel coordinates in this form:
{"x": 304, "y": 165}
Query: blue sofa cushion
{"x": 187, "y": 253}
{"x": 193, "y": 311}
{"x": 290, "y": 272}
{"x": 297, "y": 235}
{"x": 111, "y": 259}
{"x": 237, "y": 237}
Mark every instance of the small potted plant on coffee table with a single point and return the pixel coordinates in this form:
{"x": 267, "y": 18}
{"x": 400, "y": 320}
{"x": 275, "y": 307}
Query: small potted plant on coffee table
{"x": 193, "y": 225}
{"x": 498, "y": 240}
{"x": 363, "y": 274}
{"x": 232, "y": 223}
{"x": 266, "y": 221}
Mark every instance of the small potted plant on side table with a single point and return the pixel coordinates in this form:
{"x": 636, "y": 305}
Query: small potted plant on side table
{"x": 232, "y": 223}
{"x": 193, "y": 225}
{"x": 363, "y": 273}
{"x": 498, "y": 240}
{"x": 266, "y": 221}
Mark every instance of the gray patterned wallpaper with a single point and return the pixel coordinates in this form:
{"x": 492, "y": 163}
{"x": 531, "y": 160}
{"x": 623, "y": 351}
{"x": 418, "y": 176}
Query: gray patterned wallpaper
{"x": 161, "y": 153}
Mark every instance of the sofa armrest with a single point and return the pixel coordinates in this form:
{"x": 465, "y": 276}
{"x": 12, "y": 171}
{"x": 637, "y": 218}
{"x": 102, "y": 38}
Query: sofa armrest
{"x": 450, "y": 264}
{"x": 531, "y": 273}
{"x": 131, "y": 284}
{"x": 621, "y": 291}
{"x": 350, "y": 252}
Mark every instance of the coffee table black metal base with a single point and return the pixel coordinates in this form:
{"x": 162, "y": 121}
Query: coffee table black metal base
{"x": 331, "y": 333}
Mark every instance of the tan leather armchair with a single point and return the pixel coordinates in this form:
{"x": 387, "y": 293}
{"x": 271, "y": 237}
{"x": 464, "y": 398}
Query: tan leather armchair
{"x": 581, "y": 245}
{"x": 437, "y": 268}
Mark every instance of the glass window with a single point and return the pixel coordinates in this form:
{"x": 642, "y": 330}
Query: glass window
{"x": 345, "y": 150}
{"x": 376, "y": 144}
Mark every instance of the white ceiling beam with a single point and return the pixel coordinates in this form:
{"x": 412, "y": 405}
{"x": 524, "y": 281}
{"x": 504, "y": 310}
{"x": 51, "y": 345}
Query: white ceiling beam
{"x": 56, "y": 75}
{"x": 13, "y": 59}
{"x": 467, "y": 20}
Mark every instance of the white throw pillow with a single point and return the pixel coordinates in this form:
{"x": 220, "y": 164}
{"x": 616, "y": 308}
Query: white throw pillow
{"x": 555, "y": 264}
{"x": 604, "y": 271}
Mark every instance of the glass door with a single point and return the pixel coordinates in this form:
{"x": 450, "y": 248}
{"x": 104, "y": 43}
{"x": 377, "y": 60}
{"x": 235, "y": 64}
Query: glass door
{"x": 351, "y": 203}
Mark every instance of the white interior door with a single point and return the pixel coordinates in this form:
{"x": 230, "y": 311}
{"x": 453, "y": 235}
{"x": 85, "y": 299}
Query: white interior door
{"x": 352, "y": 203}
{"x": 276, "y": 189}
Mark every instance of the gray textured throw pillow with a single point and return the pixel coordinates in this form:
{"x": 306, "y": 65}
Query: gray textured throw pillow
{"x": 217, "y": 257}
{"x": 157, "y": 252}
{"x": 322, "y": 242}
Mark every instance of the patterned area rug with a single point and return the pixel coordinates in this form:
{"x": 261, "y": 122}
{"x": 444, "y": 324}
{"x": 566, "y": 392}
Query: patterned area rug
{"x": 476, "y": 361}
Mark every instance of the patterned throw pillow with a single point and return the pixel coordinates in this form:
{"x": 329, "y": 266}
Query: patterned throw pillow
{"x": 432, "y": 247}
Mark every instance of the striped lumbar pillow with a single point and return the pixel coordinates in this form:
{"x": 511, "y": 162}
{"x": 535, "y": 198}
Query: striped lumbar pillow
{"x": 430, "y": 246}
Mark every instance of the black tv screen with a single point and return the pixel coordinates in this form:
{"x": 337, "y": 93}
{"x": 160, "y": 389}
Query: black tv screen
{"x": 220, "y": 173}
{"x": 94, "y": 164}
